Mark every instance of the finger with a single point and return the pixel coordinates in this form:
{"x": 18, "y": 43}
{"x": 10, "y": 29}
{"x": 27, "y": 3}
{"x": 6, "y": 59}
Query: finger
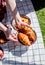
{"x": 17, "y": 22}
{"x": 13, "y": 35}
{"x": 25, "y": 24}
{"x": 16, "y": 28}
{"x": 13, "y": 39}
{"x": 28, "y": 26}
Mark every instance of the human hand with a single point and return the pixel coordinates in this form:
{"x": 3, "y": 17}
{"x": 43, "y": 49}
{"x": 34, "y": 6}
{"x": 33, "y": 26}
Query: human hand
{"x": 12, "y": 37}
{"x": 22, "y": 24}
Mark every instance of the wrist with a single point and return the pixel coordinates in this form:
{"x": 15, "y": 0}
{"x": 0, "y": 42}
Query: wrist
{"x": 7, "y": 32}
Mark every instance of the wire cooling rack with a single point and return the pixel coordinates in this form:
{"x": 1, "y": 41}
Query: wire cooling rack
{"x": 17, "y": 54}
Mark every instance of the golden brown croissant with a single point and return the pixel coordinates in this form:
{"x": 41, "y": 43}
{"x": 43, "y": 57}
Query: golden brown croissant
{"x": 24, "y": 39}
{"x": 31, "y": 33}
{"x": 28, "y": 31}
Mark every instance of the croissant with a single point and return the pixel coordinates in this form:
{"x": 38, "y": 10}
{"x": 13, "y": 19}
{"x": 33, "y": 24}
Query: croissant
{"x": 31, "y": 33}
{"x": 24, "y": 39}
{"x": 28, "y": 31}
{"x": 32, "y": 36}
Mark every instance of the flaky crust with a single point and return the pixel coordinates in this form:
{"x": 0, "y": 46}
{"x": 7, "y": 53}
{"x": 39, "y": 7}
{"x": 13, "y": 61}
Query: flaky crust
{"x": 29, "y": 32}
{"x": 24, "y": 39}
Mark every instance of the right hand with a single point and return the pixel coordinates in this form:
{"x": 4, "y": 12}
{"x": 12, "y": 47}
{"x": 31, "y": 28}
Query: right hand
{"x": 12, "y": 37}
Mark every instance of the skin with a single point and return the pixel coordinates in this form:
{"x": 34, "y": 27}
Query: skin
{"x": 16, "y": 17}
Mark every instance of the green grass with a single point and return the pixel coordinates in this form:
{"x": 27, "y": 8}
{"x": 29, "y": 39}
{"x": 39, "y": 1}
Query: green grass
{"x": 41, "y": 17}
{"x": 39, "y": 6}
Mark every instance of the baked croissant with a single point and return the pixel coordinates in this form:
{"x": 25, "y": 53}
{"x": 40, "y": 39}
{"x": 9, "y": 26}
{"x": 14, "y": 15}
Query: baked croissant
{"x": 28, "y": 31}
{"x": 24, "y": 39}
